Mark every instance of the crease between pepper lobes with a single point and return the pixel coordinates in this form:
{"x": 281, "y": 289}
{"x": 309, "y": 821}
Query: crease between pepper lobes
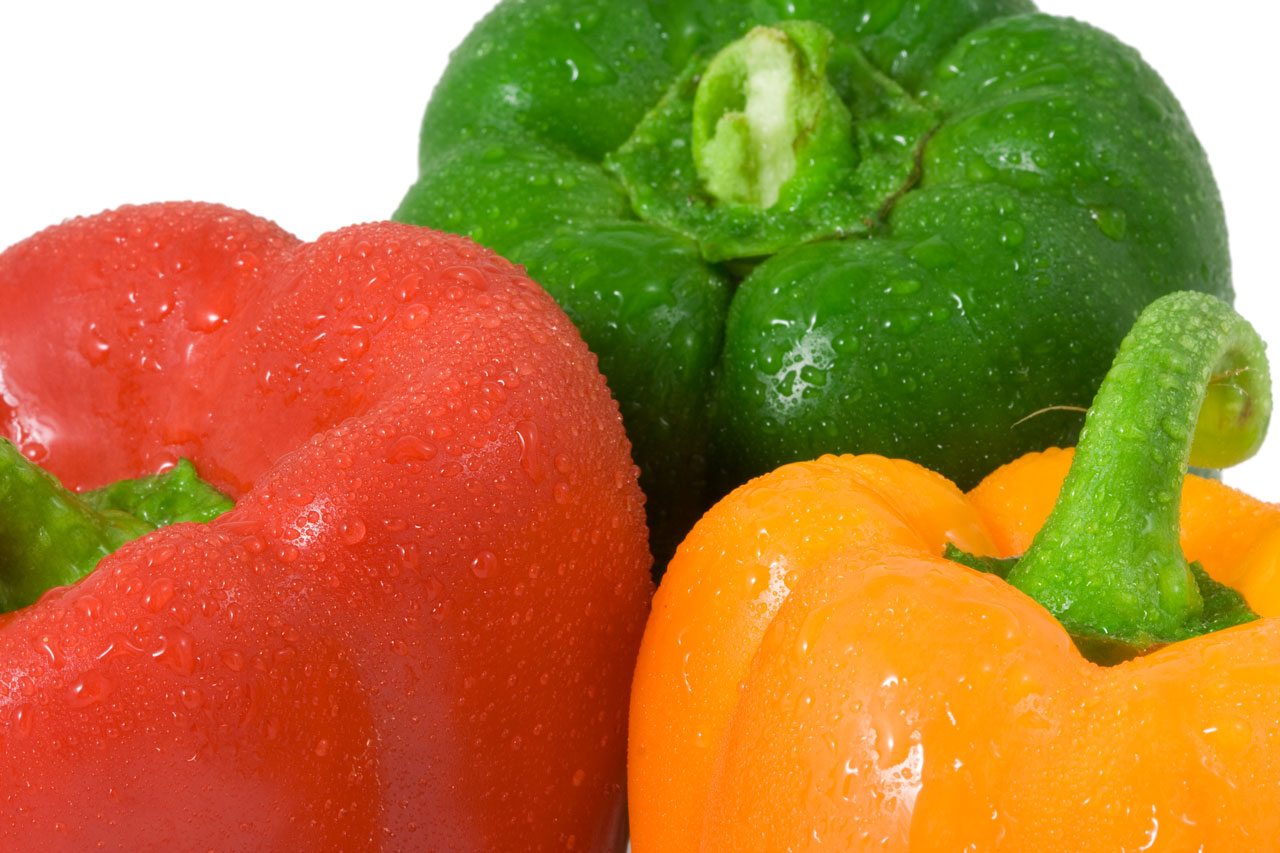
{"x": 811, "y": 606}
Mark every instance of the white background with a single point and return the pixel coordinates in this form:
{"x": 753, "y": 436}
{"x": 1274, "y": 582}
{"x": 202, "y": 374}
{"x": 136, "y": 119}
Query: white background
{"x": 309, "y": 115}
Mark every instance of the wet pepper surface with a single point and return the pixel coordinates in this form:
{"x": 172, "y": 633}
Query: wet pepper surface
{"x": 415, "y": 628}
{"x": 807, "y": 227}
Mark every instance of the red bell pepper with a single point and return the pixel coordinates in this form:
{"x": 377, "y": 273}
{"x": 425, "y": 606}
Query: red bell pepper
{"x": 414, "y": 630}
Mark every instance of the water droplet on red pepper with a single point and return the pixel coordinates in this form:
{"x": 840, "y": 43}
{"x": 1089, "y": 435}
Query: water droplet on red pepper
{"x": 232, "y": 659}
{"x": 530, "y": 450}
{"x": 414, "y": 317}
{"x": 93, "y": 346}
{"x": 23, "y": 719}
{"x": 49, "y": 646}
{"x": 192, "y": 697}
{"x": 353, "y": 530}
{"x": 177, "y": 650}
{"x": 408, "y": 287}
{"x": 468, "y": 276}
{"x": 158, "y": 594}
{"x": 90, "y": 689}
{"x": 411, "y": 448}
{"x": 484, "y": 564}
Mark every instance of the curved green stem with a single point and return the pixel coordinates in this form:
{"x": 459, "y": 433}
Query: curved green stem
{"x": 50, "y": 536}
{"x": 1108, "y": 563}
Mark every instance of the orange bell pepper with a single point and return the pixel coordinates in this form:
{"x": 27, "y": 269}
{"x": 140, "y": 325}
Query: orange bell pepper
{"x": 815, "y": 675}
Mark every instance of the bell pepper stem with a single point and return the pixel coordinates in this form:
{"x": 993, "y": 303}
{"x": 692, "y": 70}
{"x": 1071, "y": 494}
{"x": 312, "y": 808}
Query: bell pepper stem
{"x": 51, "y": 536}
{"x": 1189, "y": 382}
{"x": 756, "y": 102}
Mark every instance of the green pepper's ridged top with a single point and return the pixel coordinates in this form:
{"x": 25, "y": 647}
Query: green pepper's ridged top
{"x": 788, "y": 228}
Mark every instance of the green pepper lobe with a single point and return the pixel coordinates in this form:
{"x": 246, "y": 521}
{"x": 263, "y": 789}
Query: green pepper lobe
{"x": 50, "y": 536}
{"x": 914, "y": 229}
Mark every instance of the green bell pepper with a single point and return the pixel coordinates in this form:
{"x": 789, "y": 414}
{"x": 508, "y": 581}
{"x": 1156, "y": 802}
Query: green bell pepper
{"x": 789, "y": 228}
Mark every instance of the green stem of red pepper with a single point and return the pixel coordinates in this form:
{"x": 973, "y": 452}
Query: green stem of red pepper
{"x": 1189, "y": 382}
{"x": 50, "y": 536}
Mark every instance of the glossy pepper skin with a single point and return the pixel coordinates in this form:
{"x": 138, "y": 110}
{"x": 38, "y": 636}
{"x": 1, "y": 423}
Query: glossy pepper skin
{"x": 966, "y": 212}
{"x": 816, "y": 676}
{"x": 414, "y": 628}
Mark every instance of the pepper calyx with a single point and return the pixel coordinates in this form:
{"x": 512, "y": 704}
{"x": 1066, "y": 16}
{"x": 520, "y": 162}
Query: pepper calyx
{"x": 1107, "y": 563}
{"x": 783, "y": 137}
{"x": 51, "y": 536}
{"x": 1223, "y": 607}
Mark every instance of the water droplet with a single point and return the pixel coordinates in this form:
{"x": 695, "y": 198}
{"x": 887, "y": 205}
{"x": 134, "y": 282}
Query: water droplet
{"x": 210, "y": 308}
{"x": 1012, "y": 234}
{"x": 49, "y": 646}
{"x": 408, "y": 448}
{"x": 88, "y": 606}
{"x": 530, "y": 450}
{"x": 90, "y": 689}
{"x": 177, "y": 650}
{"x": 1231, "y": 735}
{"x": 158, "y": 594}
{"x": 903, "y": 322}
{"x": 409, "y": 287}
{"x": 192, "y": 697}
{"x": 468, "y": 276}
{"x": 979, "y": 171}
{"x": 813, "y": 375}
{"x": 24, "y": 717}
{"x": 484, "y": 564}
{"x": 934, "y": 253}
{"x": 1111, "y": 221}
{"x": 118, "y": 645}
{"x": 414, "y": 317}
{"x": 93, "y": 346}
{"x": 353, "y": 530}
